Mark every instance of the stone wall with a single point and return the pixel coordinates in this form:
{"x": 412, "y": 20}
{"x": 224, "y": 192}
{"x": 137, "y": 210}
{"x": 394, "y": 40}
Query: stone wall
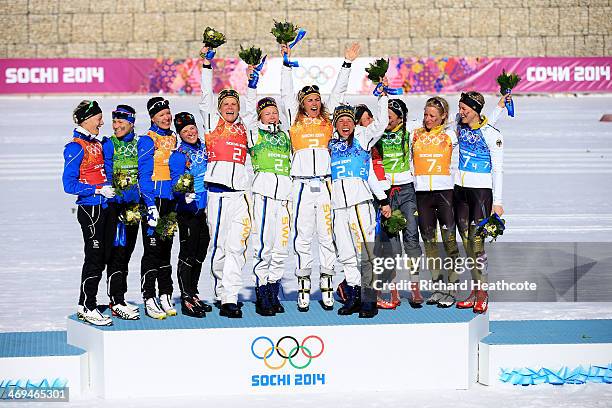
{"x": 173, "y": 28}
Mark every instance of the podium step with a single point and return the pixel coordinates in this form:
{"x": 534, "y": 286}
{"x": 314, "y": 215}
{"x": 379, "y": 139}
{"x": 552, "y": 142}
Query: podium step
{"x": 35, "y": 359}
{"x": 546, "y": 351}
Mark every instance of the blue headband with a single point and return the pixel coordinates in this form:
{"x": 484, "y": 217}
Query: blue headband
{"x": 125, "y": 115}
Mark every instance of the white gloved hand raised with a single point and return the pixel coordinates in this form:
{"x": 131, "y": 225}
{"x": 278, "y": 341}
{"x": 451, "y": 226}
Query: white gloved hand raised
{"x": 106, "y": 191}
{"x": 152, "y": 216}
{"x": 189, "y": 197}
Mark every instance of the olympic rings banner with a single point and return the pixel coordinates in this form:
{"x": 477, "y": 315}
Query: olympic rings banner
{"x": 414, "y": 75}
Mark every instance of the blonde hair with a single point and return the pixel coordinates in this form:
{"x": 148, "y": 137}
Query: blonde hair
{"x": 441, "y": 106}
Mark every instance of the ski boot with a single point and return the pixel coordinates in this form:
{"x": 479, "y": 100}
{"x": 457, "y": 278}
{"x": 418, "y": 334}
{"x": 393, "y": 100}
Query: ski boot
{"x": 95, "y": 318}
{"x": 80, "y": 312}
{"x": 368, "y": 304}
{"x": 303, "y": 301}
{"x": 153, "y": 309}
{"x": 482, "y": 302}
{"x": 327, "y": 291}
{"x": 263, "y": 307}
{"x": 277, "y": 306}
{"x": 435, "y": 298}
{"x": 204, "y": 306}
{"x": 190, "y": 306}
{"x": 353, "y": 303}
{"x": 416, "y": 299}
{"x": 447, "y": 300}
{"x": 341, "y": 291}
{"x": 230, "y": 310}
{"x": 469, "y": 302}
{"x": 123, "y": 311}
{"x": 167, "y": 305}
{"x": 382, "y": 303}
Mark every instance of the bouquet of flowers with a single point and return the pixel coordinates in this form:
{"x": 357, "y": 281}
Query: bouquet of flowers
{"x": 123, "y": 181}
{"x": 167, "y": 226}
{"x": 506, "y": 83}
{"x": 213, "y": 38}
{"x": 284, "y": 32}
{"x": 377, "y": 70}
{"x": 251, "y": 55}
{"x": 184, "y": 184}
{"x": 395, "y": 223}
{"x": 131, "y": 215}
{"x": 493, "y": 227}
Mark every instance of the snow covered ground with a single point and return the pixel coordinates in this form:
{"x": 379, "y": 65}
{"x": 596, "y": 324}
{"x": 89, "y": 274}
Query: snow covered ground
{"x": 556, "y": 188}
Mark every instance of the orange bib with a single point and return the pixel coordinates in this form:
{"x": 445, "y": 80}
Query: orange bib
{"x": 228, "y": 142}
{"x": 163, "y": 148}
{"x": 310, "y": 133}
{"x": 91, "y": 170}
{"x": 431, "y": 152}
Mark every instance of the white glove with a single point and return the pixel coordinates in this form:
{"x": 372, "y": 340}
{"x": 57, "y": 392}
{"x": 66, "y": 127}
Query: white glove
{"x": 152, "y": 216}
{"x": 106, "y": 191}
{"x": 189, "y": 197}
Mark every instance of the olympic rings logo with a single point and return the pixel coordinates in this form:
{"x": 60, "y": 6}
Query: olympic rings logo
{"x": 468, "y": 136}
{"x": 234, "y": 129}
{"x": 311, "y": 121}
{"x": 429, "y": 140}
{"x": 282, "y": 353}
{"x": 393, "y": 139}
{"x": 94, "y": 149}
{"x": 316, "y": 73}
{"x": 166, "y": 143}
{"x": 198, "y": 157}
{"x": 129, "y": 150}
{"x": 276, "y": 140}
{"x": 339, "y": 146}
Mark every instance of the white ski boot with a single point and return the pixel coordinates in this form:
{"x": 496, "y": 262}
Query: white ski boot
{"x": 327, "y": 291}
{"x": 153, "y": 309}
{"x": 80, "y": 312}
{"x": 303, "y": 301}
{"x": 167, "y": 305}
{"x": 125, "y": 312}
{"x": 95, "y": 318}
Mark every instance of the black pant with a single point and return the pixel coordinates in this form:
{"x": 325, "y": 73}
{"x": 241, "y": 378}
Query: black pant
{"x": 117, "y": 271}
{"x": 472, "y": 205}
{"x": 98, "y": 235}
{"x": 155, "y": 265}
{"x": 437, "y": 207}
{"x": 194, "y": 238}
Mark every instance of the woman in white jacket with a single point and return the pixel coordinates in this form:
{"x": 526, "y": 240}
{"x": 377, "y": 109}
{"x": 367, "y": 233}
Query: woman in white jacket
{"x": 310, "y": 132}
{"x": 352, "y": 201}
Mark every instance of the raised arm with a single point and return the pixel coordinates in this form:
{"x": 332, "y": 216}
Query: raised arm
{"x": 288, "y": 96}
{"x": 207, "y": 103}
{"x": 338, "y": 93}
{"x": 376, "y": 129}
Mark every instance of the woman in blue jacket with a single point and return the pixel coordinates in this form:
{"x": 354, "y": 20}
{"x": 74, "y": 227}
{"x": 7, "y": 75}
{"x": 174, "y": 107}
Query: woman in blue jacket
{"x": 190, "y": 158}
{"x": 85, "y": 177}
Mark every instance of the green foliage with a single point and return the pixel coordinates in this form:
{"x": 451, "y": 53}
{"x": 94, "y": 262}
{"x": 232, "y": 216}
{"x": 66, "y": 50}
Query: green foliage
{"x": 507, "y": 81}
{"x": 213, "y": 38}
{"x": 377, "y": 70}
{"x": 284, "y": 32}
{"x": 251, "y": 55}
{"x": 396, "y": 223}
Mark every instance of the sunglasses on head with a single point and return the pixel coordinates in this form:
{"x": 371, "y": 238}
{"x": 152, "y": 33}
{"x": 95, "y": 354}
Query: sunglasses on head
{"x": 160, "y": 104}
{"x": 310, "y": 88}
{"x": 123, "y": 115}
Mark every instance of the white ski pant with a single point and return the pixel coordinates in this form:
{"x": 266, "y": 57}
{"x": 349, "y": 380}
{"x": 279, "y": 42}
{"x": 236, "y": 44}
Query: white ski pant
{"x": 229, "y": 223}
{"x": 312, "y": 214}
{"x": 271, "y": 221}
{"x": 354, "y": 230}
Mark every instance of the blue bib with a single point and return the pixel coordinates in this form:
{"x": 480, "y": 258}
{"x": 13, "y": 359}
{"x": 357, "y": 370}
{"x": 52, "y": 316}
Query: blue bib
{"x": 348, "y": 161}
{"x": 196, "y": 165}
{"x": 474, "y": 154}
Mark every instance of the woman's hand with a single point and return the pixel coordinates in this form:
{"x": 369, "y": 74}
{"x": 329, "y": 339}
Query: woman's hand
{"x": 249, "y": 71}
{"x": 284, "y": 49}
{"x": 498, "y": 209}
{"x": 385, "y": 210}
{"x": 351, "y": 52}
{"x": 505, "y": 98}
{"x": 203, "y": 53}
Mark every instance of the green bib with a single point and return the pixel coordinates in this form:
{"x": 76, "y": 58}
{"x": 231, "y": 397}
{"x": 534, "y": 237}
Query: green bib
{"x": 271, "y": 153}
{"x": 394, "y": 158}
{"x": 125, "y": 157}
